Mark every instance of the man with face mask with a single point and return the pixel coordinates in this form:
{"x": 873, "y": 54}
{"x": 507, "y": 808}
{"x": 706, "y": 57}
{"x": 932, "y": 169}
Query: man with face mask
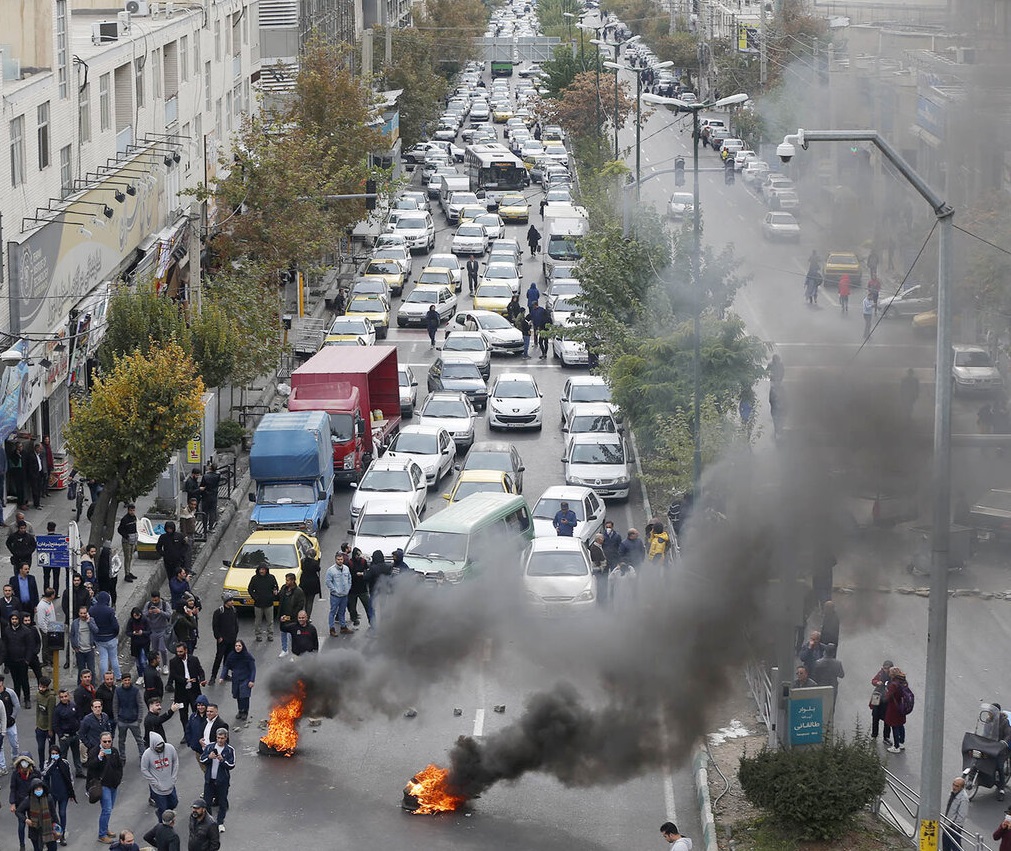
{"x": 105, "y": 767}
{"x": 57, "y": 776}
{"x": 160, "y": 767}
{"x": 39, "y": 812}
{"x": 21, "y": 786}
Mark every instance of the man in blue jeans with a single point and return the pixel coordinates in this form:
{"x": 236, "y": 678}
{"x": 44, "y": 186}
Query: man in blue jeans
{"x": 106, "y": 766}
{"x": 338, "y": 583}
{"x": 159, "y": 766}
{"x": 105, "y": 631}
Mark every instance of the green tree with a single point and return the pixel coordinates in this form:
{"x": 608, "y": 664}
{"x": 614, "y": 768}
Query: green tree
{"x": 136, "y": 417}
{"x": 215, "y": 344}
{"x": 561, "y": 69}
{"x": 138, "y": 320}
{"x": 577, "y": 107}
{"x": 414, "y": 70}
{"x": 286, "y": 162}
{"x": 453, "y": 25}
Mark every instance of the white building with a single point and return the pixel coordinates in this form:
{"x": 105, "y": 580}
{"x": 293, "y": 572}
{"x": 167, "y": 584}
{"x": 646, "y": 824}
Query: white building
{"x": 108, "y": 117}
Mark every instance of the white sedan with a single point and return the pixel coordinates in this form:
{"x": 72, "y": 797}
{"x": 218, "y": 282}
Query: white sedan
{"x": 493, "y": 225}
{"x": 430, "y": 447}
{"x": 385, "y": 525}
{"x": 390, "y": 479}
{"x": 452, "y": 411}
{"x": 780, "y": 226}
{"x": 587, "y": 506}
{"x": 502, "y": 273}
{"x": 514, "y": 402}
{"x": 501, "y": 334}
{"x": 558, "y": 578}
{"x": 583, "y": 388}
{"x": 570, "y": 352}
{"x": 470, "y": 238}
{"x": 452, "y": 264}
{"x": 414, "y": 308}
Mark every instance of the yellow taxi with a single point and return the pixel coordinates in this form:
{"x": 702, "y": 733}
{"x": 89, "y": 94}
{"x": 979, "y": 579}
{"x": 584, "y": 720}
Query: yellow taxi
{"x": 925, "y": 322}
{"x": 503, "y": 112}
{"x": 480, "y": 481}
{"x": 374, "y": 307}
{"x": 513, "y": 207}
{"x": 469, "y": 212}
{"x": 389, "y": 271}
{"x": 493, "y": 297}
{"x": 282, "y": 550}
{"x": 839, "y": 263}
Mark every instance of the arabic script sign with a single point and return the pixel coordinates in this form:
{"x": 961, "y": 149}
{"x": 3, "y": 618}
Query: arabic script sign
{"x": 807, "y": 726}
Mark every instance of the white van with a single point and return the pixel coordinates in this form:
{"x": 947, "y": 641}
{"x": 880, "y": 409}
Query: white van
{"x": 448, "y": 184}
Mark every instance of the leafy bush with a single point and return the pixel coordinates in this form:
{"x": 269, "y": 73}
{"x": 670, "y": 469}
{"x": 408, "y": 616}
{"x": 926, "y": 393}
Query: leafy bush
{"x": 228, "y": 434}
{"x": 814, "y": 792}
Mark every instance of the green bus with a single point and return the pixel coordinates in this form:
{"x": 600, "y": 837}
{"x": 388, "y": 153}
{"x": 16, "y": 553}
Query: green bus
{"x": 501, "y": 68}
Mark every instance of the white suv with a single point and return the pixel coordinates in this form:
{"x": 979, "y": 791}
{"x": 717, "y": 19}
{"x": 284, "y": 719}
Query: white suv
{"x": 418, "y": 228}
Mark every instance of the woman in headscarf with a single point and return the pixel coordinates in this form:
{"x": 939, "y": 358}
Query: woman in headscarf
{"x": 309, "y": 581}
{"x": 39, "y": 812}
{"x": 242, "y": 666}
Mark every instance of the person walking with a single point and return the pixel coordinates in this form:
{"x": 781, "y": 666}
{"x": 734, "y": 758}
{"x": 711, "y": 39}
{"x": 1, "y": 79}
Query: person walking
{"x": 127, "y": 530}
{"x": 359, "y": 592}
{"x": 844, "y": 293}
{"x": 304, "y": 638}
{"x": 172, "y": 548}
{"x": 218, "y": 759}
{"x": 204, "y": 833}
{"x": 94, "y": 725}
{"x": 22, "y": 545}
{"x": 163, "y": 836}
{"x": 25, "y": 773}
{"x": 138, "y": 628}
{"x": 956, "y": 811}
{"x": 525, "y": 328}
{"x": 191, "y": 487}
{"x": 533, "y": 295}
{"x": 209, "y": 484}
{"x": 128, "y": 708}
{"x": 432, "y": 321}
{"x": 186, "y": 675}
{"x": 472, "y": 269}
{"x": 106, "y": 632}
{"x": 18, "y": 645}
{"x": 159, "y": 766}
{"x": 533, "y": 239}
{"x": 25, "y": 588}
{"x": 225, "y": 629}
{"x": 60, "y": 782}
{"x": 263, "y": 589}
{"x": 105, "y": 769}
{"x": 669, "y": 831}
{"x": 291, "y": 601}
{"x": 240, "y": 665}
{"x": 40, "y": 811}
{"x": 159, "y": 619}
{"x": 309, "y": 581}
{"x": 338, "y": 583}
{"x": 867, "y": 307}
{"x": 540, "y": 319}
{"x": 658, "y": 543}
{"x": 66, "y": 726}
{"x": 896, "y": 708}
{"x": 45, "y": 708}
{"x": 611, "y": 545}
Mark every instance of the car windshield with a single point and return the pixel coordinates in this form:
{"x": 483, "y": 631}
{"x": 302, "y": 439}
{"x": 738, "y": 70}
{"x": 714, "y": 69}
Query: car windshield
{"x": 501, "y": 270}
{"x": 383, "y": 268}
{"x": 590, "y": 393}
{"x": 972, "y": 359}
{"x": 512, "y": 201}
{"x": 367, "y": 305}
{"x": 390, "y": 252}
{"x": 433, "y": 276}
{"x": 451, "y": 546}
{"x": 515, "y": 390}
{"x": 342, "y": 427}
{"x": 493, "y": 322}
{"x": 251, "y": 556}
{"x": 416, "y": 442}
{"x": 489, "y": 461}
{"x": 470, "y": 230}
{"x": 557, "y": 564}
{"x": 385, "y": 525}
{"x": 494, "y": 291}
{"x": 386, "y": 481}
{"x": 354, "y": 326}
{"x": 451, "y": 408}
{"x": 592, "y": 422}
{"x": 410, "y": 224}
{"x": 464, "y": 344}
{"x": 443, "y": 261}
{"x": 682, "y": 198}
{"x": 467, "y": 488}
{"x": 564, "y": 305}
{"x": 460, "y": 370}
{"x": 597, "y": 453}
{"x": 782, "y": 219}
{"x": 422, "y": 297}
{"x": 285, "y": 494}
{"x": 404, "y": 377}
{"x": 488, "y": 220}
{"x": 548, "y": 507}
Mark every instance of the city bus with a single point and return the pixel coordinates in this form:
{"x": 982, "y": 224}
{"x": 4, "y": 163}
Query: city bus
{"x": 501, "y": 68}
{"x": 494, "y": 170}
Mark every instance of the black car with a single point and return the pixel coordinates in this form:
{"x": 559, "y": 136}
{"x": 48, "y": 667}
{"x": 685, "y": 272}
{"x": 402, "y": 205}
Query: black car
{"x": 461, "y": 375}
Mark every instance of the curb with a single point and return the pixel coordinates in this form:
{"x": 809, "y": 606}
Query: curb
{"x": 700, "y": 773}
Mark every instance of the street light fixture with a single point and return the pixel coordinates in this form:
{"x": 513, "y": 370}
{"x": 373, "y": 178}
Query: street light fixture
{"x": 568, "y": 20}
{"x": 638, "y": 110}
{"x": 694, "y": 109}
{"x": 617, "y": 45}
{"x": 937, "y": 610}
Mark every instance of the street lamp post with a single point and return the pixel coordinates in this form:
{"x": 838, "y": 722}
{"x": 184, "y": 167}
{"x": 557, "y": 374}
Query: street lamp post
{"x": 638, "y": 112}
{"x": 694, "y": 109}
{"x": 617, "y": 51}
{"x": 568, "y": 21}
{"x": 937, "y": 611}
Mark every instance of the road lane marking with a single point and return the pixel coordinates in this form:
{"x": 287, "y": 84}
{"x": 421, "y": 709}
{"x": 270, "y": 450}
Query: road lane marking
{"x": 478, "y": 723}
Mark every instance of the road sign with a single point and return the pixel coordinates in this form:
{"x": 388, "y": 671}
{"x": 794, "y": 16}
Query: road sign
{"x": 53, "y": 551}
{"x": 928, "y": 835}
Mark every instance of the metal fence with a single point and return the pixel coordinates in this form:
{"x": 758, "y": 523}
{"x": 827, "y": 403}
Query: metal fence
{"x": 760, "y": 682}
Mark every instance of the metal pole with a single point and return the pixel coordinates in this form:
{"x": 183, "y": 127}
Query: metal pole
{"x": 616, "y": 104}
{"x": 596, "y": 62}
{"x": 763, "y": 72}
{"x": 638, "y": 128}
{"x": 697, "y": 332}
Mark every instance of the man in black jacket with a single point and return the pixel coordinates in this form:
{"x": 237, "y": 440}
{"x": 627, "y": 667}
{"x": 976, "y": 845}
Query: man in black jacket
{"x": 128, "y": 534}
{"x": 105, "y": 765}
{"x": 66, "y": 723}
{"x": 21, "y": 544}
{"x": 154, "y": 721}
{"x": 25, "y": 588}
{"x": 209, "y": 495}
{"x": 163, "y": 836}
{"x": 19, "y": 645}
{"x": 172, "y": 547}
{"x": 304, "y": 638}
{"x": 204, "y": 834}
{"x": 225, "y": 629}
{"x": 263, "y": 589}
{"x": 186, "y": 675}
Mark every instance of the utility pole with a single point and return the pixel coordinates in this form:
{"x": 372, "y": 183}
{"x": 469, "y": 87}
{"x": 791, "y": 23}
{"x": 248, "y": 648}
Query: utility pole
{"x": 763, "y": 72}
{"x": 196, "y": 229}
{"x": 384, "y": 12}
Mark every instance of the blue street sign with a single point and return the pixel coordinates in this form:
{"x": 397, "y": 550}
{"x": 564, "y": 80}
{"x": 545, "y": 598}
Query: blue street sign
{"x": 53, "y": 550}
{"x": 807, "y": 726}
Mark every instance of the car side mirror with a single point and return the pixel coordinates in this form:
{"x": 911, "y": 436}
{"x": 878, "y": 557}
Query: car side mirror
{"x": 457, "y": 467}
{"x": 353, "y": 485}
{"x": 351, "y": 531}
{"x": 226, "y": 562}
{"x": 520, "y": 469}
{"x": 252, "y": 497}
{"x": 447, "y": 496}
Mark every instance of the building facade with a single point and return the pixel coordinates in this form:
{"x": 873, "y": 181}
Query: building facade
{"x": 109, "y": 118}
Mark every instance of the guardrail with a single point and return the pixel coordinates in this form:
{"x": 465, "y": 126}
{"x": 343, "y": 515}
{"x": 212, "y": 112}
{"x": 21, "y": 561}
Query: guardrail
{"x": 760, "y": 685}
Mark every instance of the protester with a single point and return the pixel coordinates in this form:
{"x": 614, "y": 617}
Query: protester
{"x": 105, "y": 769}
{"x": 163, "y": 836}
{"x": 159, "y": 766}
{"x": 60, "y": 783}
{"x": 218, "y": 759}
{"x": 241, "y": 665}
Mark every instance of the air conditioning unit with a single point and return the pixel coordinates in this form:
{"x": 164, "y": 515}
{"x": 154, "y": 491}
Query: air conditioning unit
{"x": 123, "y": 18}
{"x": 139, "y": 8}
{"x": 155, "y": 9}
{"x": 102, "y": 32}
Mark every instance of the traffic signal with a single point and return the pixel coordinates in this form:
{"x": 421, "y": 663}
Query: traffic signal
{"x": 679, "y": 171}
{"x": 728, "y": 172}
{"x": 370, "y": 190}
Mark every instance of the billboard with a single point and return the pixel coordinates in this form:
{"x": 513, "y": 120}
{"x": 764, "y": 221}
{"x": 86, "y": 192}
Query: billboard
{"x": 55, "y": 266}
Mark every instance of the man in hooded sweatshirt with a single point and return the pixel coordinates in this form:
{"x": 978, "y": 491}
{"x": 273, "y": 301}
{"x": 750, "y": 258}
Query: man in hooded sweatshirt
{"x": 160, "y": 767}
{"x": 39, "y": 812}
{"x": 21, "y": 783}
{"x": 105, "y": 630}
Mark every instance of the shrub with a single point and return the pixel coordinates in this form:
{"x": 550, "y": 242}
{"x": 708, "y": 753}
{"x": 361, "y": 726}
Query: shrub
{"x": 814, "y": 792}
{"x": 228, "y": 434}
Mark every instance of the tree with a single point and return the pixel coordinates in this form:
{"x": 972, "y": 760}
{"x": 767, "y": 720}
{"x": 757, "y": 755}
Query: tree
{"x": 561, "y": 70}
{"x": 423, "y": 87}
{"x": 285, "y": 162}
{"x": 139, "y": 319}
{"x": 215, "y": 344}
{"x": 577, "y": 111}
{"x": 453, "y": 25}
{"x": 137, "y": 416}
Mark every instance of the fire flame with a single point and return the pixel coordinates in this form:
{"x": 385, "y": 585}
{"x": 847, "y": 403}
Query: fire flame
{"x": 282, "y": 727}
{"x": 431, "y": 790}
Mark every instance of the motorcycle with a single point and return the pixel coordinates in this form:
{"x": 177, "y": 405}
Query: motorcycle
{"x": 984, "y": 750}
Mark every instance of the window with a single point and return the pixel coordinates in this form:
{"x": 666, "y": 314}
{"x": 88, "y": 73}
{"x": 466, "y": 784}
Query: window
{"x": 237, "y": 33}
{"x": 156, "y": 88}
{"x": 84, "y": 114}
{"x": 217, "y": 118}
{"x": 138, "y": 70}
{"x": 196, "y": 54}
{"x": 217, "y": 40}
{"x": 18, "y": 151}
{"x": 207, "y": 88}
{"x": 104, "y": 110}
{"x": 245, "y": 26}
{"x": 66, "y": 171}
{"x": 228, "y": 110}
{"x": 170, "y": 62}
{"x": 43, "y": 121}
{"x": 61, "y": 47}
{"x": 184, "y": 57}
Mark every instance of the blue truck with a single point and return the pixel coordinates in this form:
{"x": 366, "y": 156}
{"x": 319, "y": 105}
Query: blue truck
{"x": 291, "y": 463}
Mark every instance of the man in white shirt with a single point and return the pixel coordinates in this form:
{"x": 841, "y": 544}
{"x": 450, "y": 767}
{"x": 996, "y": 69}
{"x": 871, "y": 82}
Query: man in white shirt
{"x": 45, "y": 612}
